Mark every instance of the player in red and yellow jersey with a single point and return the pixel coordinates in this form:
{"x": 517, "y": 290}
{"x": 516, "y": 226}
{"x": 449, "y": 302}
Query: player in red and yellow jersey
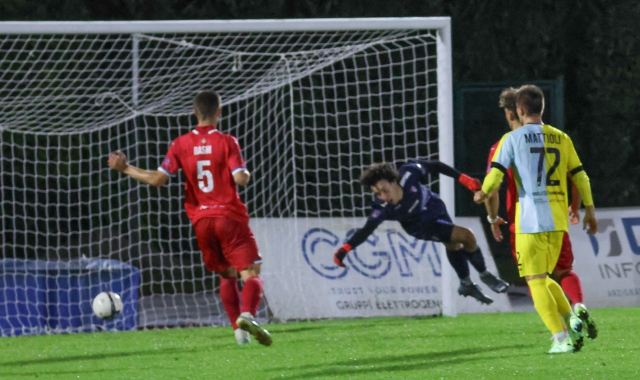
{"x": 213, "y": 166}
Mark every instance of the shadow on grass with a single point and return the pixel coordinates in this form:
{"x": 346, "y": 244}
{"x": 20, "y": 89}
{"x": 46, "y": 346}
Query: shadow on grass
{"x": 296, "y": 329}
{"x": 57, "y": 359}
{"x": 397, "y": 363}
{"x": 47, "y": 374}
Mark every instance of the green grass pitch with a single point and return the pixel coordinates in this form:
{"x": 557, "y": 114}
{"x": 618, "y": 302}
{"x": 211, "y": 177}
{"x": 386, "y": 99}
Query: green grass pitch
{"x": 481, "y": 346}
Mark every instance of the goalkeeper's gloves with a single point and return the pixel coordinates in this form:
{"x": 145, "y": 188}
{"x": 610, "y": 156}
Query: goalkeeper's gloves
{"x": 470, "y": 183}
{"x": 340, "y": 254}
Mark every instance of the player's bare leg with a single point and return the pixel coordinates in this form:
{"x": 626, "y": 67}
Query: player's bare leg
{"x": 251, "y": 296}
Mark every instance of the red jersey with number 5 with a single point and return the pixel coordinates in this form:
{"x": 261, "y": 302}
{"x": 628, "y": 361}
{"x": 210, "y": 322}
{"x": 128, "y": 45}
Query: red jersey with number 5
{"x": 208, "y": 159}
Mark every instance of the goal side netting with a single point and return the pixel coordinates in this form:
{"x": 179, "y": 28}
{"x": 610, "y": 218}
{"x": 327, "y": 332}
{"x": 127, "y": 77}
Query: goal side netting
{"x": 310, "y": 103}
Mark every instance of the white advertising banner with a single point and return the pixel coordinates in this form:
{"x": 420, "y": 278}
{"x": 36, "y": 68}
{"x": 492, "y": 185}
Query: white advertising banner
{"x": 391, "y": 274}
{"x": 609, "y": 261}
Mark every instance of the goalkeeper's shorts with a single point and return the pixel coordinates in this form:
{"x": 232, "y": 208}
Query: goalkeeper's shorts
{"x": 226, "y": 242}
{"x": 433, "y": 224}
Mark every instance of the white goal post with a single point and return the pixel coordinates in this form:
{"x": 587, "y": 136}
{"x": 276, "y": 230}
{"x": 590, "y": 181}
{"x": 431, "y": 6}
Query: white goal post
{"x": 312, "y": 101}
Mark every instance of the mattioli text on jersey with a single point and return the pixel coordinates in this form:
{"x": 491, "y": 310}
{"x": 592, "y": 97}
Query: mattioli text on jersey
{"x": 537, "y": 138}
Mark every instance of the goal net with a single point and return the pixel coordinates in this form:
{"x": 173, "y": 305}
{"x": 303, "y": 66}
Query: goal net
{"x": 311, "y": 102}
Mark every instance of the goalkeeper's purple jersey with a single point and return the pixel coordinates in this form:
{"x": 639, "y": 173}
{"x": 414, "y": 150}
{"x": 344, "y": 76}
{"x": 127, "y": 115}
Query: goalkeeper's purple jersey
{"x": 421, "y": 212}
{"x": 418, "y": 206}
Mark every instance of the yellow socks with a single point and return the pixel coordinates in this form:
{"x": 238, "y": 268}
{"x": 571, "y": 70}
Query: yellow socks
{"x": 563, "y": 304}
{"x": 545, "y": 304}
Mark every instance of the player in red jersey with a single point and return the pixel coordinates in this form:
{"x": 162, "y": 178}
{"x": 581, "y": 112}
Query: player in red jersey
{"x": 213, "y": 166}
{"x": 563, "y": 272}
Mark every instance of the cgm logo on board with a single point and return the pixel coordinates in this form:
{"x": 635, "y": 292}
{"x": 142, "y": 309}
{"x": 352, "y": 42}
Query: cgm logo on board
{"x": 375, "y": 258}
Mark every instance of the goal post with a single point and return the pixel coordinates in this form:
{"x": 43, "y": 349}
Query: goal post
{"x": 445, "y": 150}
{"x": 312, "y": 101}
{"x": 439, "y": 24}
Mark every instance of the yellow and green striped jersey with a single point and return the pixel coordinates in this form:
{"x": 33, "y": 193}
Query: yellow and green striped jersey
{"x": 541, "y": 157}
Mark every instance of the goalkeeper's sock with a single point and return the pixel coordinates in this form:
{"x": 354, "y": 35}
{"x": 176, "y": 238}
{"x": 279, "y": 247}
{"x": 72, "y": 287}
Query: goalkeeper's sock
{"x": 459, "y": 263}
{"x": 563, "y": 304}
{"x": 230, "y": 298}
{"x": 572, "y": 285}
{"x": 476, "y": 259}
{"x": 251, "y": 295}
{"x": 545, "y": 305}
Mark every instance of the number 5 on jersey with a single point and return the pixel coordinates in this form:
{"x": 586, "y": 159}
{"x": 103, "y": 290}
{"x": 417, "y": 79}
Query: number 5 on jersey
{"x": 205, "y": 177}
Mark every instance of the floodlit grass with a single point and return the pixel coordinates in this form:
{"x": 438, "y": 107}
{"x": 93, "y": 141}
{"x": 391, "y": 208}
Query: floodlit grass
{"x": 483, "y": 346}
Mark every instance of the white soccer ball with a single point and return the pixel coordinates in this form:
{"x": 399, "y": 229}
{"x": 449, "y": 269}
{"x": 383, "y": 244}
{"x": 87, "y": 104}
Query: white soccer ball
{"x": 107, "y": 305}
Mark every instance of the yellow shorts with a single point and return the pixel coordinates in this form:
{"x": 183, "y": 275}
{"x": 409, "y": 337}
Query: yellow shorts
{"x": 538, "y": 253}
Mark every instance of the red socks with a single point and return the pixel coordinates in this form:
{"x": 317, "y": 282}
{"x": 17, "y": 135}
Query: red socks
{"x": 251, "y": 295}
{"x": 230, "y": 298}
{"x": 572, "y": 287}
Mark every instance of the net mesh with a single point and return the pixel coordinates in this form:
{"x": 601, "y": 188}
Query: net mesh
{"x": 309, "y": 109}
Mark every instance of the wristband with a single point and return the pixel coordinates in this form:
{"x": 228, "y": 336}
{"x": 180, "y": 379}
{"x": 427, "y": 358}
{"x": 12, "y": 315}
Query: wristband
{"x": 347, "y": 247}
{"x": 491, "y": 221}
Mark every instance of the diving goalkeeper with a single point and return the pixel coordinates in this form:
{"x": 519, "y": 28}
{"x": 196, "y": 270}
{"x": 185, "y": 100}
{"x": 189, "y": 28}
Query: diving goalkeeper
{"x": 400, "y": 195}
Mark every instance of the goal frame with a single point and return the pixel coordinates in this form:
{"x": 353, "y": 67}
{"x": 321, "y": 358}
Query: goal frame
{"x": 442, "y": 26}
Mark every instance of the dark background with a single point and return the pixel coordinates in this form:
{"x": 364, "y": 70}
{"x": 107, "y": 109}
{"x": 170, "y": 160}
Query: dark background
{"x": 585, "y": 52}
{"x": 592, "y": 44}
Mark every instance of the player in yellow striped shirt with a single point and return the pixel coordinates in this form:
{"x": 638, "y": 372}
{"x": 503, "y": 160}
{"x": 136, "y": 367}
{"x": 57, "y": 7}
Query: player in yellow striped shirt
{"x": 541, "y": 157}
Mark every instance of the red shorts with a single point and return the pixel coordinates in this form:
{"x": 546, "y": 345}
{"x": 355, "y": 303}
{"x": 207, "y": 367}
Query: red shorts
{"x": 565, "y": 261}
{"x": 226, "y": 242}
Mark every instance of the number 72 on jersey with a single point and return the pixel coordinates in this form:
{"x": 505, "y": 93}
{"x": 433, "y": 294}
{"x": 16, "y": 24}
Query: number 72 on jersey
{"x": 552, "y": 169}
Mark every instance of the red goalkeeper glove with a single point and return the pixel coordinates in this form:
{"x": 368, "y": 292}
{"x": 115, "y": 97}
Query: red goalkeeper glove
{"x": 341, "y": 254}
{"x": 470, "y": 183}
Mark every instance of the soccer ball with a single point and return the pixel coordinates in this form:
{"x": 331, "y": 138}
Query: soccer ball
{"x": 107, "y": 305}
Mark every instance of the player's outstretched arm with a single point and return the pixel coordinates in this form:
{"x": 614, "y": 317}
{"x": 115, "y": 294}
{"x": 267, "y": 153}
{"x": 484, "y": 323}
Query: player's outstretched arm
{"x": 438, "y": 167}
{"x": 470, "y": 183}
{"x": 118, "y": 161}
{"x": 341, "y": 253}
{"x": 356, "y": 239}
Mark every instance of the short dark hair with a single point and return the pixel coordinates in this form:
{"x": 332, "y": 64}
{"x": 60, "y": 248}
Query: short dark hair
{"x": 508, "y": 100}
{"x": 207, "y": 103}
{"x": 376, "y": 172}
{"x": 531, "y": 98}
